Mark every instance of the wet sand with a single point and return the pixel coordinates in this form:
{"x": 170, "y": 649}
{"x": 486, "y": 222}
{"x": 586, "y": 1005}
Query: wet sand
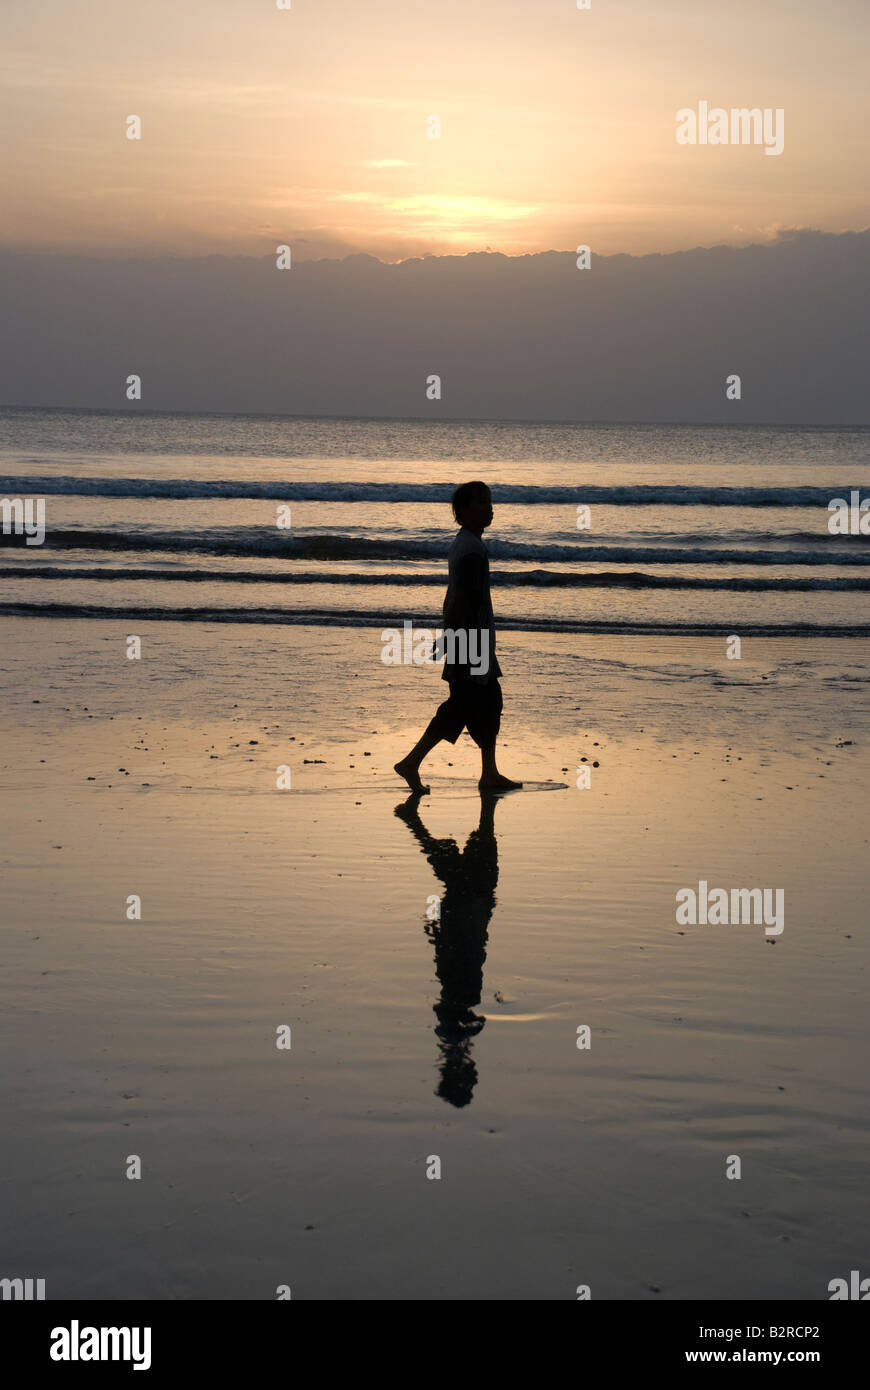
{"x": 308, "y": 908}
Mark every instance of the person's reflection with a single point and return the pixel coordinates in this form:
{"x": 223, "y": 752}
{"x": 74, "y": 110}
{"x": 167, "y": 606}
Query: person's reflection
{"x": 459, "y": 938}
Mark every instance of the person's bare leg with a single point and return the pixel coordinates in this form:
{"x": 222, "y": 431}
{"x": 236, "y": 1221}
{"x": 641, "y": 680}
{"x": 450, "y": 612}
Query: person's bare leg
{"x": 409, "y": 767}
{"x": 490, "y": 777}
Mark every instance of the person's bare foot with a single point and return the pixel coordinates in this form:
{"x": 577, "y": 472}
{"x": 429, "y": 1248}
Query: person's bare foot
{"x": 495, "y": 782}
{"x": 411, "y": 774}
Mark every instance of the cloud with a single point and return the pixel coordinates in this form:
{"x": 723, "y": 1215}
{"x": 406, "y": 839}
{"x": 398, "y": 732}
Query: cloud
{"x": 531, "y": 337}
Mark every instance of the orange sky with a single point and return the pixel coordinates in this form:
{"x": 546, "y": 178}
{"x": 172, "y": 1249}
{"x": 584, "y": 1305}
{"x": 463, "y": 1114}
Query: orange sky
{"x": 309, "y": 126}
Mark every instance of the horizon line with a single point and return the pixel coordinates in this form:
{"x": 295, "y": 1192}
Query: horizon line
{"x": 450, "y": 419}
{"x": 783, "y": 237}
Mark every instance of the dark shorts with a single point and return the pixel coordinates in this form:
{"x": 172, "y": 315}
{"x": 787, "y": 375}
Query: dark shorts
{"x": 472, "y": 706}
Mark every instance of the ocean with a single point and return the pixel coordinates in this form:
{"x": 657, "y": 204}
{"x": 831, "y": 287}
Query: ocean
{"x": 617, "y": 528}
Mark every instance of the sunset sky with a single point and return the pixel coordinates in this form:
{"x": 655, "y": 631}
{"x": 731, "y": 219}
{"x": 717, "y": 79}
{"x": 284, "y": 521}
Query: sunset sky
{"x": 308, "y": 126}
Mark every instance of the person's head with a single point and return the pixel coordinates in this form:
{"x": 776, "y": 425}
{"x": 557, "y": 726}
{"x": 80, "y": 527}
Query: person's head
{"x": 472, "y": 505}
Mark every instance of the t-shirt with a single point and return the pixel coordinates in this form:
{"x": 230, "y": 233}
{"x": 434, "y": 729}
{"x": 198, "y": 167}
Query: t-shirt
{"x": 468, "y": 610}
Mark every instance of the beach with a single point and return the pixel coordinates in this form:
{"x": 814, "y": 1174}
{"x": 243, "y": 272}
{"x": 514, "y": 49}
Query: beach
{"x": 306, "y": 908}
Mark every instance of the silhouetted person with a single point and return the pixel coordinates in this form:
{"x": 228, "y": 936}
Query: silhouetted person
{"x": 459, "y": 938}
{"x": 471, "y": 667}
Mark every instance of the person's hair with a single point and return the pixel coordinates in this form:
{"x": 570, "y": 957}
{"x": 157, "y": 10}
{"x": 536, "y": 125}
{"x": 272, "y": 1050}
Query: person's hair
{"x": 466, "y": 493}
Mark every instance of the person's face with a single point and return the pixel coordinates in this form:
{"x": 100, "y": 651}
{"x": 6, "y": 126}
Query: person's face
{"x": 478, "y": 514}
